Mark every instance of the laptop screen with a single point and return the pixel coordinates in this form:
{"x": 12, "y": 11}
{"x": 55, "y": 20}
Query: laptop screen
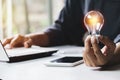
{"x": 3, "y": 55}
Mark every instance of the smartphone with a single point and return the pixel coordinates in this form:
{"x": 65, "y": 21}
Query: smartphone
{"x": 66, "y": 61}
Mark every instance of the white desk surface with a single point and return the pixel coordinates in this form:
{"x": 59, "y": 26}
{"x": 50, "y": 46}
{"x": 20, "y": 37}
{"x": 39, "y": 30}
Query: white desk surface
{"x": 36, "y": 70}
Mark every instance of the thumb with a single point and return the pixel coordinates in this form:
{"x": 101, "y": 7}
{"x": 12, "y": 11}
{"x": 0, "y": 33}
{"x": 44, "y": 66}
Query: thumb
{"x": 28, "y": 43}
{"x": 106, "y": 41}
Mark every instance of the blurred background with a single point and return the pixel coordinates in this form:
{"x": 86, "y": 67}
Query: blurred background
{"x": 27, "y": 16}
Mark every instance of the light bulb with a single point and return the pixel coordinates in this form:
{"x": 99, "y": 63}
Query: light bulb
{"x": 94, "y": 21}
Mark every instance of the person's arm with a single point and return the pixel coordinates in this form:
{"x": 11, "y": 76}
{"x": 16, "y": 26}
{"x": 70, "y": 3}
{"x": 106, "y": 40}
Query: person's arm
{"x": 40, "y": 39}
{"x": 54, "y": 35}
{"x": 27, "y": 41}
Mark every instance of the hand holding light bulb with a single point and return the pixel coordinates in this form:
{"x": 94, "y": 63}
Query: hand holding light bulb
{"x": 94, "y": 56}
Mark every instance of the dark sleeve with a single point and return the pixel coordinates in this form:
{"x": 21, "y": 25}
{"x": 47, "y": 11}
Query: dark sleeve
{"x": 117, "y": 39}
{"x": 56, "y": 32}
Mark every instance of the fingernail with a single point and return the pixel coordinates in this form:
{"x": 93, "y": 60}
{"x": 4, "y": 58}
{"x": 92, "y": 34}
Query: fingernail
{"x": 11, "y": 46}
{"x": 89, "y": 36}
{"x": 26, "y": 45}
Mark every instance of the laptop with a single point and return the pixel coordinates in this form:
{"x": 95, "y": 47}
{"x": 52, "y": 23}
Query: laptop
{"x": 22, "y": 54}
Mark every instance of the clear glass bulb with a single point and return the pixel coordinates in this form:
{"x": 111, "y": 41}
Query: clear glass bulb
{"x": 94, "y": 21}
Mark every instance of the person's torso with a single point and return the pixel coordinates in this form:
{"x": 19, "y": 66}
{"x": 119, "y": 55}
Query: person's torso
{"x": 110, "y": 10}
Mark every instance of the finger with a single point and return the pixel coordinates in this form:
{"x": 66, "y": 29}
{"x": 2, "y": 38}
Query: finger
{"x": 13, "y": 43}
{"x": 96, "y": 48}
{"x": 101, "y": 59}
{"x": 88, "y": 43}
{"x": 105, "y": 50}
{"x": 106, "y": 41}
{"x": 92, "y": 59}
{"x": 28, "y": 43}
{"x": 89, "y": 61}
{"x": 110, "y": 45}
{"x": 86, "y": 61}
{"x": 17, "y": 41}
{"x": 89, "y": 58}
{"x": 87, "y": 51}
{"x": 6, "y": 41}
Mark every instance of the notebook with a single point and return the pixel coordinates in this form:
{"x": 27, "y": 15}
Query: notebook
{"x": 22, "y": 54}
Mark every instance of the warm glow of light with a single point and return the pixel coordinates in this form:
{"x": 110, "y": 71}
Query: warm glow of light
{"x": 94, "y": 21}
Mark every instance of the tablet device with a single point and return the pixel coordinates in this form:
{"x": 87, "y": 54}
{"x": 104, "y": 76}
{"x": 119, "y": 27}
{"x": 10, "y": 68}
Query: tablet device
{"x": 66, "y": 61}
